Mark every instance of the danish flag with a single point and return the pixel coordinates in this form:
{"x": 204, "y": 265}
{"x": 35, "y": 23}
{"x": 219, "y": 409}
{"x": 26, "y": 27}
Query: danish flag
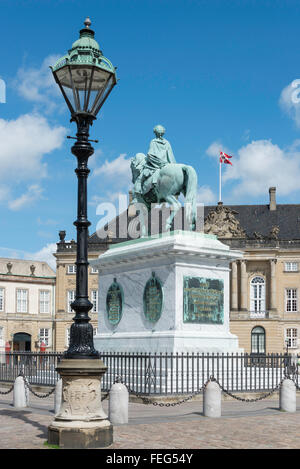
{"x": 224, "y": 158}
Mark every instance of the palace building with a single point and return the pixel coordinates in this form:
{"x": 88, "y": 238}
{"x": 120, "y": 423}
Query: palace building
{"x": 265, "y": 297}
{"x": 27, "y": 305}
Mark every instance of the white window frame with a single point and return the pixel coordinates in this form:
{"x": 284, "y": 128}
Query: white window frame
{"x": 291, "y": 336}
{"x": 291, "y": 266}
{"x": 1, "y": 333}
{"x": 71, "y": 269}
{"x": 22, "y": 300}
{"x": 291, "y": 300}
{"x": 94, "y": 300}
{"x": 2, "y": 299}
{"x": 94, "y": 270}
{"x": 70, "y": 299}
{"x": 45, "y": 336}
{"x": 257, "y": 295}
{"x": 43, "y": 302}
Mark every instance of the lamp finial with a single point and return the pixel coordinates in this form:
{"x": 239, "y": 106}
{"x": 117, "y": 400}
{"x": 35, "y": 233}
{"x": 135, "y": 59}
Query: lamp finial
{"x": 87, "y": 22}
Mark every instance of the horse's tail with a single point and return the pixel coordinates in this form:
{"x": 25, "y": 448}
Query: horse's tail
{"x": 191, "y": 180}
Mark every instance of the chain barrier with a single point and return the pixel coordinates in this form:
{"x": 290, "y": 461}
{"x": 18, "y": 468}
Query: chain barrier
{"x": 211, "y": 379}
{"x": 4, "y": 393}
{"x": 27, "y": 385}
{"x": 256, "y": 399}
{"x": 146, "y": 400}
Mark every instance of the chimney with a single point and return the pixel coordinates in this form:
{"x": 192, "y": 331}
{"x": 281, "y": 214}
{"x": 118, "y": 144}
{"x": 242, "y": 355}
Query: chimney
{"x": 272, "y": 194}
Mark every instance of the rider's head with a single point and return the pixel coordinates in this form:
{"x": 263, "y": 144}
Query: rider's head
{"x": 159, "y": 130}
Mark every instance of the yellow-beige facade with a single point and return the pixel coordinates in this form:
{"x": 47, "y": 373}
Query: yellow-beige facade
{"x": 27, "y": 305}
{"x": 265, "y": 284}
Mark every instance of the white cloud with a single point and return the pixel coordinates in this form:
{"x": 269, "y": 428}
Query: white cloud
{"x": 205, "y": 195}
{"x": 262, "y": 164}
{"x": 117, "y": 168}
{"x": 24, "y": 142}
{"x": 34, "y": 192}
{"x": 289, "y": 101}
{"x": 114, "y": 179}
{"x": 38, "y": 85}
{"x": 45, "y": 254}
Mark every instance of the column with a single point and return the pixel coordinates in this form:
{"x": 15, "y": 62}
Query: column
{"x": 244, "y": 286}
{"x": 234, "y": 287}
{"x": 273, "y": 284}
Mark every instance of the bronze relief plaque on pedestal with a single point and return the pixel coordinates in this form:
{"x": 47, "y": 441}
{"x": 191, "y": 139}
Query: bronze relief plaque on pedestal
{"x": 203, "y": 300}
{"x": 114, "y": 302}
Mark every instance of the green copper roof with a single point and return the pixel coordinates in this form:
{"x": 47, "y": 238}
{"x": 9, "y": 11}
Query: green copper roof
{"x": 85, "y": 51}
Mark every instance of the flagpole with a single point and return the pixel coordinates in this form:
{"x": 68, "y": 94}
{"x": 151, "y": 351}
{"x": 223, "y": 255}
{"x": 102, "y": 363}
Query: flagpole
{"x": 220, "y": 181}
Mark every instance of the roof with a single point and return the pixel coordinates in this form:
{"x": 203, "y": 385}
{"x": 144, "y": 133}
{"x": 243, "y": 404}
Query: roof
{"x": 257, "y": 221}
{"x": 24, "y": 268}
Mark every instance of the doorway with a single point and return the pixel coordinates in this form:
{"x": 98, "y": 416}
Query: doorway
{"x": 22, "y": 342}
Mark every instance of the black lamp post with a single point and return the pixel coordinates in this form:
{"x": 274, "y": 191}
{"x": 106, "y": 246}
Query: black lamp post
{"x": 85, "y": 78}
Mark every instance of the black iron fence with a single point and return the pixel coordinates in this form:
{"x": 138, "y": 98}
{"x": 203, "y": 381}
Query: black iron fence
{"x": 164, "y": 373}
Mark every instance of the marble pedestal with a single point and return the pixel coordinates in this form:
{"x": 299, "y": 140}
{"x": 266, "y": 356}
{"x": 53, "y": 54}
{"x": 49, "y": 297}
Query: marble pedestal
{"x": 171, "y": 258}
{"x": 81, "y": 422}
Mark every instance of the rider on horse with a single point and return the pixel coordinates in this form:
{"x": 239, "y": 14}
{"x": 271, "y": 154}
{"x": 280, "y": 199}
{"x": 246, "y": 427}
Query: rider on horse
{"x": 160, "y": 153}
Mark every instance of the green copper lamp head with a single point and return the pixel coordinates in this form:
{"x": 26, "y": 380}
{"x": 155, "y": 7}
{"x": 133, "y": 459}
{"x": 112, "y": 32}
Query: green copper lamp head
{"x": 84, "y": 75}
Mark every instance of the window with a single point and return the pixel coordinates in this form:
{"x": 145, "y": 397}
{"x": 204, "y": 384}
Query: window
{"x": 44, "y": 301}
{"x": 258, "y": 340}
{"x": 291, "y": 300}
{"x": 94, "y": 270}
{"x": 1, "y": 334}
{"x": 94, "y": 298}
{"x": 72, "y": 269}
{"x": 1, "y": 299}
{"x": 70, "y": 299}
{"x": 44, "y": 336}
{"x": 22, "y": 301}
{"x": 291, "y": 337}
{"x": 95, "y": 330}
{"x": 257, "y": 295}
{"x": 291, "y": 266}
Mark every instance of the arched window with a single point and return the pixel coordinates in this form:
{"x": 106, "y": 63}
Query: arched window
{"x": 257, "y": 295}
{"x": 258, "y": 340}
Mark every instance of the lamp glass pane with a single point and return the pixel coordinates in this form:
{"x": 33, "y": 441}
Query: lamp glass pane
{"x": 85, "y": 86}
{"x": 88, "y": 83}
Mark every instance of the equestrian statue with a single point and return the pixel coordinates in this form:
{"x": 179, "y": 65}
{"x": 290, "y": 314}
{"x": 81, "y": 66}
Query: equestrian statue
{"x": 157, "y": 178}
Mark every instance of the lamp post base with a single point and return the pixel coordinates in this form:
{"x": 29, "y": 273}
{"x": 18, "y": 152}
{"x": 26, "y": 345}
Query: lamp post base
{"x": 78, "y": 436}
{"x": 81, "y": 422}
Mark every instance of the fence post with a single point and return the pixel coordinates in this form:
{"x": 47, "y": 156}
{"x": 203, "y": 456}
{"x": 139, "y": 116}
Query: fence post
{"x": 212, "y": 400}
{"x": 287, "y": 396}
{"x": 118, "y": 404}
{"x": 58, "y": 396}
{"x": 20, "y": 393}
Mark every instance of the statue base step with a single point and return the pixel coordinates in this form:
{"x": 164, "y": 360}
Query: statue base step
{"x": 79, "y": 436}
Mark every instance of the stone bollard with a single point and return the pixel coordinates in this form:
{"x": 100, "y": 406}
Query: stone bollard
{"x": 118, "y": 404}
{"x": 57, "y": 396}
{"x": 287, "y": 396}
{"x": 212, "y": 400}
{"x": 20, "y": 393}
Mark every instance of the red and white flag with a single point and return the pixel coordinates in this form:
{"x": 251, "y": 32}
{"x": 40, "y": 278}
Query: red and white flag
{"x": 224, "y": 158}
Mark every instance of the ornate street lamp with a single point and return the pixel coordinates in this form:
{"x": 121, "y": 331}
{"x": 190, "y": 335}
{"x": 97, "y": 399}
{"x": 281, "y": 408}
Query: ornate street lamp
{"x": 85, "y": 78}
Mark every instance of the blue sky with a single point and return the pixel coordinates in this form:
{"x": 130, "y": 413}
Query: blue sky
{"x": 216, "y": 74}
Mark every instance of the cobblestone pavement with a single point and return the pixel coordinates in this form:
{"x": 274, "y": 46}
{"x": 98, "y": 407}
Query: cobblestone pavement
{"x": 257, "y": 425}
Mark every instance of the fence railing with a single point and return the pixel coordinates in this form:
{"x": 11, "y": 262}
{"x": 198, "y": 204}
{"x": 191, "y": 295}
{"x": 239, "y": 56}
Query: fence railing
{"x": 164, "y": 373}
